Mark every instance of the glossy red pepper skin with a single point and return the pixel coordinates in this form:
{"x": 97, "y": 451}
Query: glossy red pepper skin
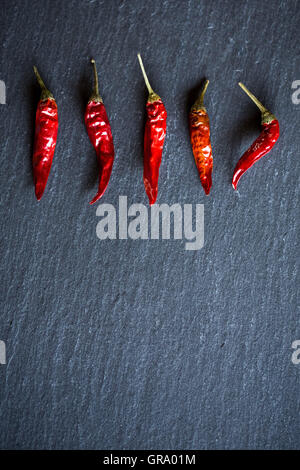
{"x": 46, "y": 127}
{"x": 154, "y": 138}
{"x": 99, "y": 132}
{"x": 155, "y": 133}
{"x": 200, "y": 141}
{"x": 260, "y": 147}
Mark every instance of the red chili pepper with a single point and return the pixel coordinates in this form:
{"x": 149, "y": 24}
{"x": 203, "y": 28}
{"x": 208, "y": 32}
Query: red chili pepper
{"x": 46, "y": 126}
{"x": 262, "y": 145}
{"x": 99, "y": 132}
{"x": 200, "y": 140}
{"x": 154, "y": 137}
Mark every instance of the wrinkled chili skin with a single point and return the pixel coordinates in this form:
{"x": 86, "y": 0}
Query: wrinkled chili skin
{"x": 99, "y": 132}
{"x": 260, "y": 147}
{"x": 46, "y": 127}
{"x": 201, "y": 145}
{"x": 155, "y": 133}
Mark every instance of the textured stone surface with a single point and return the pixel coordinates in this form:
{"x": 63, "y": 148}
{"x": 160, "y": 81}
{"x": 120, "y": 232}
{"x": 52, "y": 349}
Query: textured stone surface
{"x": 141, "y": 344}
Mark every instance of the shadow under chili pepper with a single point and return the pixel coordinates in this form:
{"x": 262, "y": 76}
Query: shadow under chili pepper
{"x": 140, "y": 150}
{"x": 33, "y": 93}
{"x": 193, "y": 94}
{"x": 191, "y": 97}
{"x": 91, "y": 177}
{"x": 247, "y": 128}
{"x": 85, "y": 85}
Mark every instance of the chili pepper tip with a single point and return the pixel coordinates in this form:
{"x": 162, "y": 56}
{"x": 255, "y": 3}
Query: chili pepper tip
{"x": 39, "y": 191}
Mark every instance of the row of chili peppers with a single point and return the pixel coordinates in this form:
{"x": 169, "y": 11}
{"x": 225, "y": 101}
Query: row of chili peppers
{"x": 99, "y": 132}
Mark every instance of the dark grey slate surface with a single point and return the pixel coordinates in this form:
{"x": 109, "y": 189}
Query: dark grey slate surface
{"x": 141, "y": 344}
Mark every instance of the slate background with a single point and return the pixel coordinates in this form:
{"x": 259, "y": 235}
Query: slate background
{"x": 141, "y": 344}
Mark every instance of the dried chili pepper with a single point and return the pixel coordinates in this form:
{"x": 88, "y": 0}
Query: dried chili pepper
{"x": 262, "y": 145}
{"x": 154, "y": 137}
{"x": 99, "y": 132}
{"x": 46, "y": 126}
{"x": 200, "y": 140}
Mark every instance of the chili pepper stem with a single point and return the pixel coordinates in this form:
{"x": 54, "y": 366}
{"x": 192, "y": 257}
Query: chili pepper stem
{"x": 199, "y": 103}
{"x": 45, "y": 93}
{"x": 152, "y": 95}
{"x": 95, "y": 95}
{"x": 266, "y": 115}
{"x": 253, "y": 98}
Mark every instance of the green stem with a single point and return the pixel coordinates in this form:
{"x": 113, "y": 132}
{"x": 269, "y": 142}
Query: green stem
{"x": 45, "y": 94}
{"x": 199, "y": 103}
{"x": 145, "y": 75}
{"x": 152, "y": 95}
{"x": 95, "y": 95}
{"x": 266, "y": 115}
{"x": 96, "y": 85}
{"x": 260, "y": 106}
